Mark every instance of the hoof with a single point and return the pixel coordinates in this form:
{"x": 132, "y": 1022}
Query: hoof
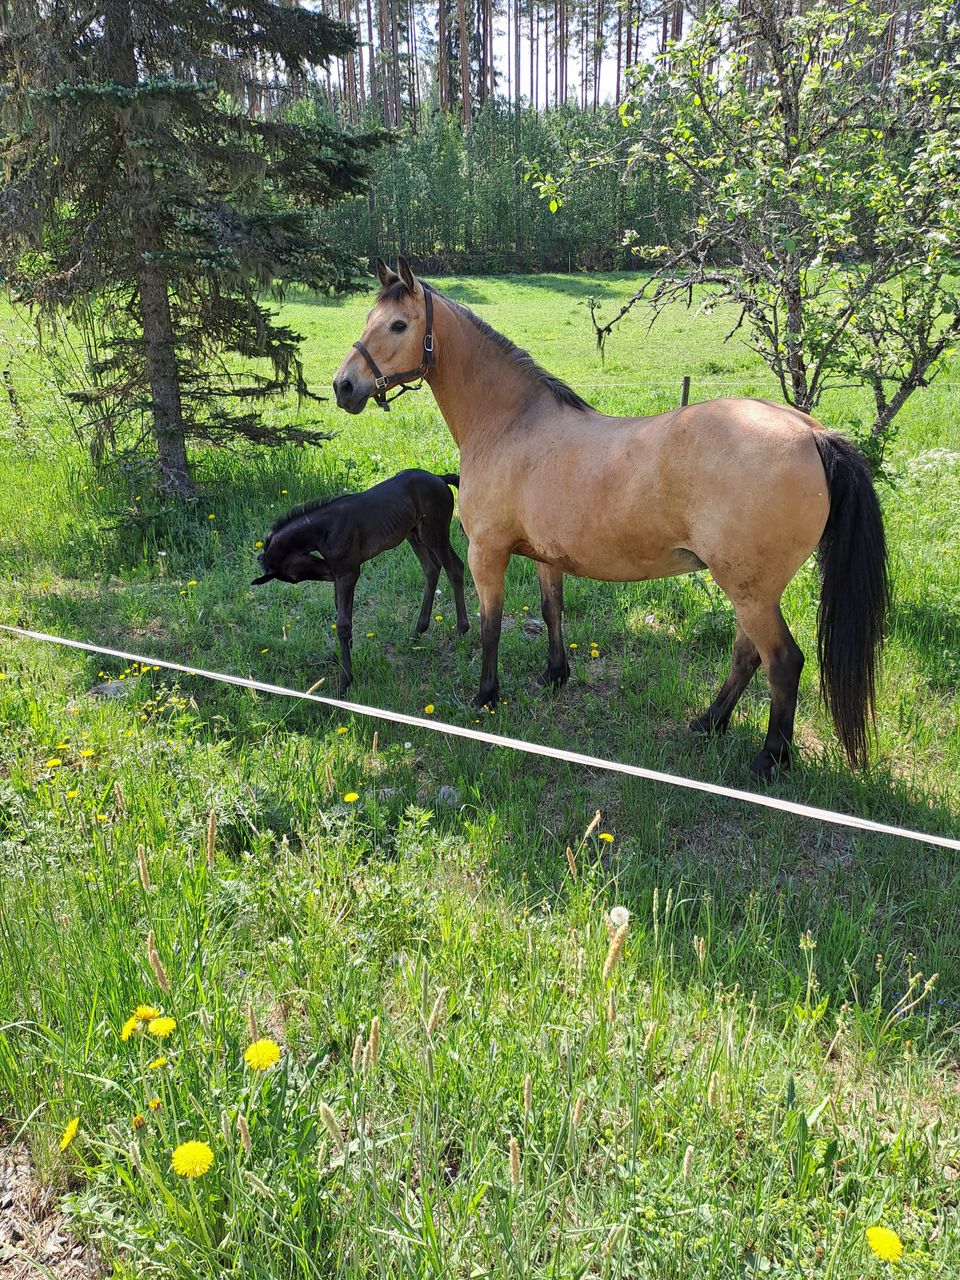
{"x": 485, "y": 699}
{"x": 553, "y": 679}
{"x": 463, "y": 628}
{"x": 766, "y": 765}
{"x": 705, "y": 725}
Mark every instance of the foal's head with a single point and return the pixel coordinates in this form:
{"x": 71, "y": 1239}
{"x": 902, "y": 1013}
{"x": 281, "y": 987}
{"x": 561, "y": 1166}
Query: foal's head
{"x": 287, "y": 554}
{"x": 393, "y": 339}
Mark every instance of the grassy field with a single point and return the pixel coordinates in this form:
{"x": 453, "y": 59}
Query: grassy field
{"x": 752, "y": 1076}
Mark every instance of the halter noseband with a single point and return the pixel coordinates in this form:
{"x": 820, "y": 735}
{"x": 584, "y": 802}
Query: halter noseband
{"x": 385, "y": 380}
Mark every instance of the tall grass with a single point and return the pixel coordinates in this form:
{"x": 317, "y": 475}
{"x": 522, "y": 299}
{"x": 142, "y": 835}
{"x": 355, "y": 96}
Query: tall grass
{"x": 758, "y": 1071}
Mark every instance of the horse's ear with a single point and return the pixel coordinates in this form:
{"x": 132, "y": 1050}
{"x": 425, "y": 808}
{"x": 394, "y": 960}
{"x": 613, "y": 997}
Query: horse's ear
{"x": 406, "y": 275}
{"x": 385, "y": 274}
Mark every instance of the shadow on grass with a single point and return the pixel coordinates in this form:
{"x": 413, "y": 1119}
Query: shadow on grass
{"x": 721, "y": 853}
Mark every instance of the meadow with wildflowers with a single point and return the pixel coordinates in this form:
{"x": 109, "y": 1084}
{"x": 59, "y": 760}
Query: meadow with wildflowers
{"x": 289, "y": 993}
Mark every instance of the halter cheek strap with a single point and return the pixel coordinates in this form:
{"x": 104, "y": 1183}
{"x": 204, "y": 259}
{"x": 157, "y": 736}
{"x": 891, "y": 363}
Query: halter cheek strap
{"x": 385, "y": 380}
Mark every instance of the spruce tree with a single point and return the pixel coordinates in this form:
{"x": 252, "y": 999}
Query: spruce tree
{"x": 154, "y": 181}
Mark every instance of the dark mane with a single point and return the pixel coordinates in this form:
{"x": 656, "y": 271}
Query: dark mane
{"x": 304, "y": 509}
{"x": 562, "y": 393}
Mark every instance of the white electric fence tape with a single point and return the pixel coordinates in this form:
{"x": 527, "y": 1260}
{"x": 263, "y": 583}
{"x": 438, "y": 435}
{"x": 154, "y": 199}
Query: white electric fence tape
{"x": 757, "y": 798}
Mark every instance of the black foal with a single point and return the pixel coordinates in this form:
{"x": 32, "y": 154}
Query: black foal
{"x": 329, "y": 541}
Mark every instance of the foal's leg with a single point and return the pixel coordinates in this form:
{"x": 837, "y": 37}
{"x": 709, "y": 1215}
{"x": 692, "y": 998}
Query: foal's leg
{"x": 551, "y": 604}
{"x": 488, "y": 568}
{"x": 431, "y": 575}
{"x": 345, "y": 585}
{"x": 453, "y": 567}
{"x": 746, "y": 659}
{"x": 782, "y": 661}
{"x": 436, "y": 536}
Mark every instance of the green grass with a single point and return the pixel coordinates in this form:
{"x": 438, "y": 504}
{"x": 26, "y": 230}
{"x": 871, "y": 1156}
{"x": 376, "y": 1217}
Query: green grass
{"x": 813, "y": 1109}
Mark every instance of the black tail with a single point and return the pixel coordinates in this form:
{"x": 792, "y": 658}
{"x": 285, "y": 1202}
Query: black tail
{"x": 854, "y": 595}
{"x": 453, "y": 479}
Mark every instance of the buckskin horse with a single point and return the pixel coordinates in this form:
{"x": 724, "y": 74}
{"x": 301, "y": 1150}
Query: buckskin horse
{"x": 745, "y": 488}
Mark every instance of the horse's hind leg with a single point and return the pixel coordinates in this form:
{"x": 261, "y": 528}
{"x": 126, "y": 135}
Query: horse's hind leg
{"x": 746, "y": 659}
{"x": 431, "y": 576}
{"x": 551, "y": 604}
{"x": 782, "y": 661}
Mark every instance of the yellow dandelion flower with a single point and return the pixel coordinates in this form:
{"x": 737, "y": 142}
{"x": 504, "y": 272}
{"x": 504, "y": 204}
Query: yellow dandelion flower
{"x": 606, "y": 837}
{"x": 157, "y": 1063}
{"x": 3, "y": 675}
{"x": 258, "y": 544}
{"x": 351, "y": 797}
{"x": 211, "y": 516}
{"x": 192, "y": 1159}
{"x": 428, "y": 709}
{"x": 262, "y": 1055}
{"x": 87, "y": 752}
{"x": 886, "y": 1244}
{"x": 371, "y": 634}
{"x": 342, "y": 728}
{"x": 573, "y": 646}
{"x": 161, "y": 1027}
{"x": 192, "y": 583}
{"x": 129, "y": 1027}
{"x": 69, "y": 1133}
{"x": 144, "y": 1012}
{"x": 53, "y": 762}
{"x": 154, "y": 1104}
{"x": 283, "y": 490}
{"x": 72, "y": 795}
{"x": 138, "y": 1121}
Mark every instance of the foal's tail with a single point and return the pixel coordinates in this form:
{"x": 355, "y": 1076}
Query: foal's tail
{"x": 452, "y": 478}
{"x": 854, "y": 595}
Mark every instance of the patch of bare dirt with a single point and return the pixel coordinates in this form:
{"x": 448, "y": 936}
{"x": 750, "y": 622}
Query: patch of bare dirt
{"x": 34, "y": 1238}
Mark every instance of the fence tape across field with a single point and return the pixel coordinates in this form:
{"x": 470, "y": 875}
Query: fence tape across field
{"x": 756, "y": 798}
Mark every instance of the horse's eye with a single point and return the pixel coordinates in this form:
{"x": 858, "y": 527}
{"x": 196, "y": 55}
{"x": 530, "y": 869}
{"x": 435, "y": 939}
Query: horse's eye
{"x": 398, "y": 326}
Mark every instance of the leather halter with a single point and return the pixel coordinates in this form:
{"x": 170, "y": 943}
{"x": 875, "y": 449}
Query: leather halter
{"x": 385, "y": 380}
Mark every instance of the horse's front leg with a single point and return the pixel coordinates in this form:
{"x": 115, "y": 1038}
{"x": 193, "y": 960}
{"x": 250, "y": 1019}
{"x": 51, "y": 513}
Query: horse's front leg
{"x": 488, "y": 568}
{"x": 551, "y": 604}
{"x": 345, "y": 585}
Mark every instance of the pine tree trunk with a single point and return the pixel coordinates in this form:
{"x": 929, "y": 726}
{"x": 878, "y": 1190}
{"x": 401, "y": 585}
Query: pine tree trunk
{"x": 546, "y": 58}
{"x": 464, "y": 64}
{"x": 619, "y": 49}
{"x": 516, "y": 54}
{"x": 158, "y": 337}
{"x": 371, "y": 56}
{"x": 158, "y": 341}
{"x": 443, "y": 71}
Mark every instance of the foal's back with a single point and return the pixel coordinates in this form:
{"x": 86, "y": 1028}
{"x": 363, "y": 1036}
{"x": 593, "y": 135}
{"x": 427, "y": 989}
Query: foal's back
{"x": 361, "y": 525}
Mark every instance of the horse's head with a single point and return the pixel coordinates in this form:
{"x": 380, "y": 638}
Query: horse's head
{"x": 397, "y": 343}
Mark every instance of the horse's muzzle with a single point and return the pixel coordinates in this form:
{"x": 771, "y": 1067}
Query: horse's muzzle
{"x": 350, "y": 395}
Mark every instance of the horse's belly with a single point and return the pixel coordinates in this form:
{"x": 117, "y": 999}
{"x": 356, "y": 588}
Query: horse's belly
{"x": 611, "y": 566}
